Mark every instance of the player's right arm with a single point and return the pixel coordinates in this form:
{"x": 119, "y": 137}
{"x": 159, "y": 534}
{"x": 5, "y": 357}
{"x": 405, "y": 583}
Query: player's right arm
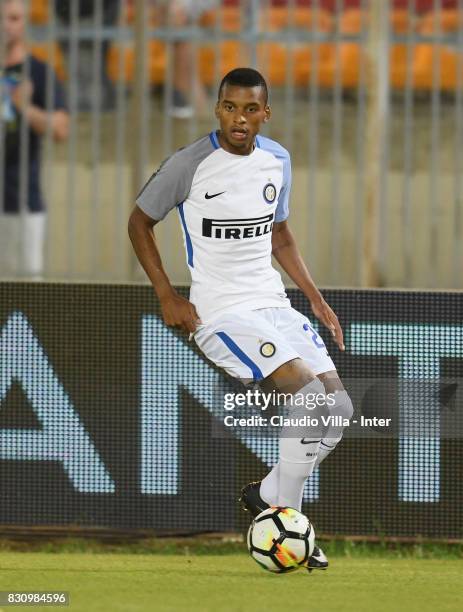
{"x": 176, "y": 310}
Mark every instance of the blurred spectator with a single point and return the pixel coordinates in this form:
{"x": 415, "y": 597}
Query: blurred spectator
{"x": 86, "y": 15}
{"x": 187, "y": 90}
{"x": 23, "y": 99}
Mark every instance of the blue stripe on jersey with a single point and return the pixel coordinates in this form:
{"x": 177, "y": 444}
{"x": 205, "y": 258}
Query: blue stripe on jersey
{"x": 235, "y": 349}
{"x": 189, "y": 246}
{"x": 214, "y": 140}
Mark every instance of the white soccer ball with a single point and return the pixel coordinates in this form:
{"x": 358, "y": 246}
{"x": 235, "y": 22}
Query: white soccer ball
{"x": 281, "y": 539}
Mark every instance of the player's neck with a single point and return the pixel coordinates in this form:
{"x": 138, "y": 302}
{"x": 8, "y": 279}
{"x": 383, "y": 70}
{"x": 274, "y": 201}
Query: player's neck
{"x": 15, "y": 53}
{"x": 226, "y": 146}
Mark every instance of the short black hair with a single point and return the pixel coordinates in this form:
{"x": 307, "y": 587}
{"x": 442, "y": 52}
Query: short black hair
{"x": 244, "y": 77}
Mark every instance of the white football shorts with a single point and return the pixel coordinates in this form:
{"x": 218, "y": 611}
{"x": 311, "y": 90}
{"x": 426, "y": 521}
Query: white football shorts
{"x": 251, "y": 345}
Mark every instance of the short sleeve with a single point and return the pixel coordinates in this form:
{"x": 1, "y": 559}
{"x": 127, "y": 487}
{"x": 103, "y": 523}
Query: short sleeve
{"x": 170, "y": 185}
{"x": 167, "y": 187}
{"x": 282, "y": 210}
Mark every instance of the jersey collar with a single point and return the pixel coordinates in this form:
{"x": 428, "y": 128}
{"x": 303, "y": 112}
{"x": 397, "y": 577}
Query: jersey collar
{"x": 215, "y": 143}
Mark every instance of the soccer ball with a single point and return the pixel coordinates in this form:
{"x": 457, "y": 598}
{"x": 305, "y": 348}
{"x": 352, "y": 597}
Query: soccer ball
{"x": 281, "y": 539}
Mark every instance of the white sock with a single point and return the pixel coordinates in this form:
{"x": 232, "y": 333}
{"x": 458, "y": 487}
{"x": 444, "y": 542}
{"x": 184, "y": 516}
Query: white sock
{"x": 292, "y": 481}
{"x": 284, "y": 485}
{"x": 342, "y": 407}
{"x": 327, "y": 446}
{"x": 269, "y": 486}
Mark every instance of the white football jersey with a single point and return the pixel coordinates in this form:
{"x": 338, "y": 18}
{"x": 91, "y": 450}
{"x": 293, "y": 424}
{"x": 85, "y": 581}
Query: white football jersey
{"x": 227, "y": 206}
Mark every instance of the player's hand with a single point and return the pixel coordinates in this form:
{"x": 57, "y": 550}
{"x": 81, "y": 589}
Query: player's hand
{"x": 21, "y": 95}
{"x": 179, "y": 312}
{"x": 326, "y": 315}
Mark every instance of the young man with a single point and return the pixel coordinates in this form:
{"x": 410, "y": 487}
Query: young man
{"x": 23, "y": 97}
{"x": 231, "y": 189}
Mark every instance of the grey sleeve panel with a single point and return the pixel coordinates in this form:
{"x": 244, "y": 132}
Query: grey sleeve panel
{"x": 171, "y": 183}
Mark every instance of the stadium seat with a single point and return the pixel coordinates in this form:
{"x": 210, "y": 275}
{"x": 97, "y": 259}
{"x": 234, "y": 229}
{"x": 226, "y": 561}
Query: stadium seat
{"x": 226, "y": 18}
{"x": 402, "y": 22}
{"x": 38, "y": 12}
{"x": 343, "y": 63}
{"x": 443, "y": 57}
{"x": 50, "y": 52}
{"x": 123, "y": 68}
{"x": 127, "y": 16}
{"x": 220, "y": 57}
{"x": 120, "y": 59}
{"x": 274, "y": 58}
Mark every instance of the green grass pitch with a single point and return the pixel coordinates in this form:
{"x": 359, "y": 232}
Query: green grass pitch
{"x": 229, "y": 583}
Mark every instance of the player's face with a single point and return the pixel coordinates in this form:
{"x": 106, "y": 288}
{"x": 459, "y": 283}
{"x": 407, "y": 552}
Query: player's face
{"x": 241, "y": 112}
{"x": 13, "y": 21}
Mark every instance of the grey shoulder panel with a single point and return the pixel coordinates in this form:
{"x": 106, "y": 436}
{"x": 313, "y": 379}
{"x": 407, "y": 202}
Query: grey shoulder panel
{"x": 171, "y": 183}
{"x": 275, "y": 148}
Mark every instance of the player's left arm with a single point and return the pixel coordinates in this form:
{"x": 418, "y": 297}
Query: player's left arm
{"x": 286, "y": 252}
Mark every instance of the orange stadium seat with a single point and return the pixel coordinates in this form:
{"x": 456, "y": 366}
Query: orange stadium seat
{"x": 128, "y": 12}
{"x": 402, "y": 22}
{"x": 223, "y": 56}
{"x": 274, "y": 58}
{"x": 120, "y": 59}
{"x": 50, "y": 52}
{"x": 123, "y": 68}
{"x": 226, "y": 18}
{"x": 439, "y": 56}
{"x": 38, "y": 11}
{"x": 344, "y": 63}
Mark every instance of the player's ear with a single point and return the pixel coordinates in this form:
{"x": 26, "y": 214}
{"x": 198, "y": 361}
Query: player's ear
{"x": 216, "y": 110}
{"x": 268, "y": 113}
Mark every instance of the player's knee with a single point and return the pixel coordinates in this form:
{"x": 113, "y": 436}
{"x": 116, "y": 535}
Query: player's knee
{"x": 316, "y": 401}
{"x": 341, "y": 405}
{"x": 306, "y": 412}
{"x": 293, "y": 377}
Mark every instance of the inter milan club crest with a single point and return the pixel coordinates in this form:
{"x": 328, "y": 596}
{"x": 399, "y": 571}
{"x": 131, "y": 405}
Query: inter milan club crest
{"x": 267, "y": 349}
{"x": 270, "y": 193}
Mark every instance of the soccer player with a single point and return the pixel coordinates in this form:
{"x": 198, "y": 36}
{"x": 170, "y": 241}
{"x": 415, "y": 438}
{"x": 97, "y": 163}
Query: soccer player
{"x": 231, "y": 189}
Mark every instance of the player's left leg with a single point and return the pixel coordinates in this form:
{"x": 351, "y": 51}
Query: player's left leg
{"x": 308, "y": 343}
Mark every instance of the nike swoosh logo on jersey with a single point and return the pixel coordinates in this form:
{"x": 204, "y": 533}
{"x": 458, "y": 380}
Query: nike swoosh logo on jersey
{"x": 303, "y": 441}
{"x": 214, "y": 195}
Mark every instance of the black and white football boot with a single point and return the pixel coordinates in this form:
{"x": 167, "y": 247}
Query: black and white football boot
{"x": 318, "y": 560}
{"x": 250, "y": 499}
